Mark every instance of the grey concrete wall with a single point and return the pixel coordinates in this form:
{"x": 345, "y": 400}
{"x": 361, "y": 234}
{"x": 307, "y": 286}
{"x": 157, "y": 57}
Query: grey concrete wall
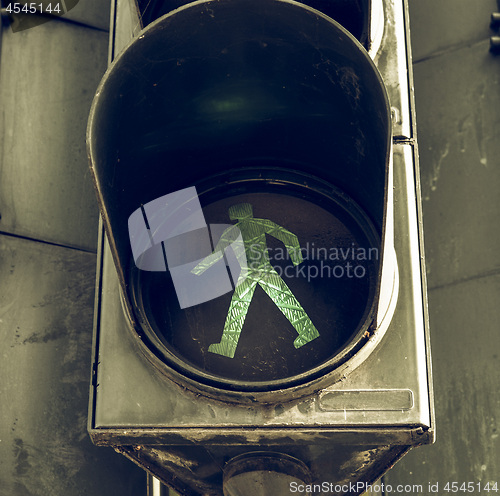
{"x": 48, "y": 227}
{"x": 457, "y": 88}
{"x": 48, "y": 233}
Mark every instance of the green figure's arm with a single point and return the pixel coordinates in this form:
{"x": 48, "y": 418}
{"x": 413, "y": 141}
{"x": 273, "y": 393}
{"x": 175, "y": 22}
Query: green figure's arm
{"x": 289, "y": 239}
{"x": 228, "y": 236}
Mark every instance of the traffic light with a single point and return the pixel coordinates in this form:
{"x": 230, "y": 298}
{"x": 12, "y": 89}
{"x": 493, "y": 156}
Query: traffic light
{"x": 265, "y": 311}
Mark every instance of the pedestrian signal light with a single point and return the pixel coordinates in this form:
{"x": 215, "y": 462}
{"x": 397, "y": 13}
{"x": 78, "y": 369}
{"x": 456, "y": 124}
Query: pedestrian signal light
{"x": 260, "y": 287}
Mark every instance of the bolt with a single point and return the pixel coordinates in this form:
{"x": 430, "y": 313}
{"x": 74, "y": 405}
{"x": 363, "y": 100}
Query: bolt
{"x": 495, "y": 20}
{"x": 495, "y": 44}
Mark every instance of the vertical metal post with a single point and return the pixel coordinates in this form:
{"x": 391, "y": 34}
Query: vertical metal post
{"x": 156, "y": 488}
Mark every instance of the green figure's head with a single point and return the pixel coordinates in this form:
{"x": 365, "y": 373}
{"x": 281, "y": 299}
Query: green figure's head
{"x": 241, "y": 211}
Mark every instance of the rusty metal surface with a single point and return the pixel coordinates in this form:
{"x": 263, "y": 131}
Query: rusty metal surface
{"x": 45, "y": 321}
{"x": 47, "y": 81}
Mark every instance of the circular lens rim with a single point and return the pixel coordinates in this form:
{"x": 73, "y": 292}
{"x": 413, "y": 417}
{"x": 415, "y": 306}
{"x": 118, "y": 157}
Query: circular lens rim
{"x": 286, "y": 181}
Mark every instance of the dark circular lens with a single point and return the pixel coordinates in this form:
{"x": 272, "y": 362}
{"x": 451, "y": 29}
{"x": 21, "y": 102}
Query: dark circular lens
{"x": 332, "y": 290}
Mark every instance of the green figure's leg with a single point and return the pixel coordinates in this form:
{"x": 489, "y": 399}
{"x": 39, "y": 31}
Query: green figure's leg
{"x": 284, "y": 299}
{"x": 236, "y": 314}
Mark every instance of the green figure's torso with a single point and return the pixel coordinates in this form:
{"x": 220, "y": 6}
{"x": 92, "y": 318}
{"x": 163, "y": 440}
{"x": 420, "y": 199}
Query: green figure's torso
{"x": 252, "y": 254}
{"x": 253, "y": 234}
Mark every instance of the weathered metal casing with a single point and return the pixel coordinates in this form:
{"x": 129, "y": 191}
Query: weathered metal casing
{"x": 347, "y": 426}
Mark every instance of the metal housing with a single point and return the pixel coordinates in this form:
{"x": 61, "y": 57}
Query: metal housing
{"x": 376, "y": 406}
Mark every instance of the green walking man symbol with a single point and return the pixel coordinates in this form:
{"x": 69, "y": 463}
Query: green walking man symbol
{"x": 256, "y": 269}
